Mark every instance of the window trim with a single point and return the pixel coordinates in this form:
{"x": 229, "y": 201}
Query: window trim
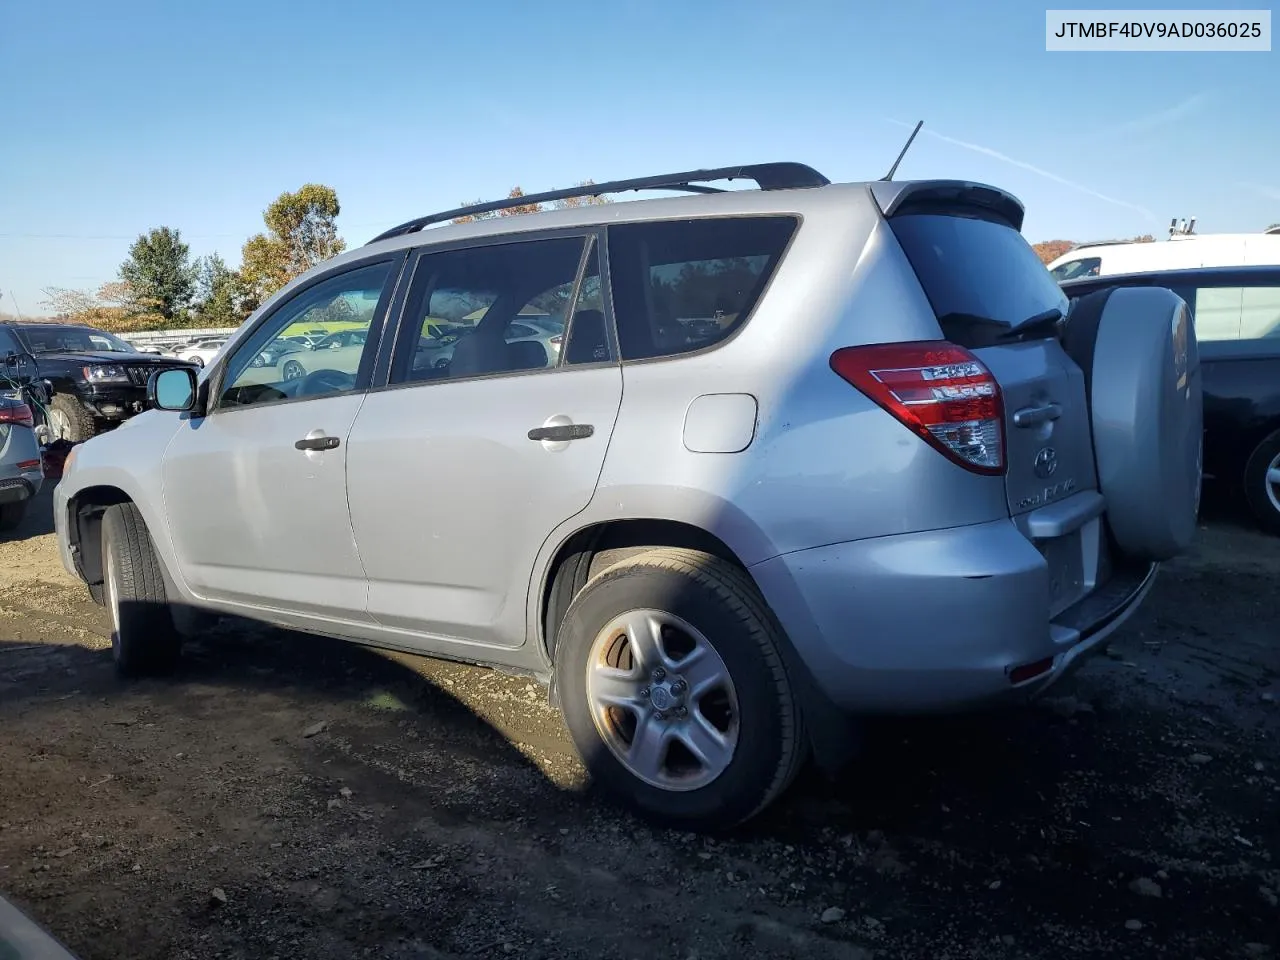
{"x": 397, "y": 339}
{"x": 368, "y": 361}
{"x": 796, "y": 218}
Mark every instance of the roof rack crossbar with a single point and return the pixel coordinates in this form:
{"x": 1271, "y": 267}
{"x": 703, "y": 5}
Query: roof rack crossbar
{"x": 767, "y": 176}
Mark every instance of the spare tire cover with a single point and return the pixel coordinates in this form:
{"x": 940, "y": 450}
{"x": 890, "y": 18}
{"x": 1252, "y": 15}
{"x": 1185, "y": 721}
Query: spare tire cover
{"x": 1138, "y": 350}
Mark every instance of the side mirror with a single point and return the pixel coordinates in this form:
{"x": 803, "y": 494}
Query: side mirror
{"x": 172, "y": 390}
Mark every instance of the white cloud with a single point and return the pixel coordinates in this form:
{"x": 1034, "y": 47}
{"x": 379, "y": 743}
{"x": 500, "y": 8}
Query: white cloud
{"x": 1023, "y": 165}
{"x": 1161, "y": 118}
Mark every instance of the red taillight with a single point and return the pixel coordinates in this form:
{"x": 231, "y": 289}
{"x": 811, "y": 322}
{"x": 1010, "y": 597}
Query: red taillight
{"x": 18, "y": 413}
{"x": 940, "y": 391}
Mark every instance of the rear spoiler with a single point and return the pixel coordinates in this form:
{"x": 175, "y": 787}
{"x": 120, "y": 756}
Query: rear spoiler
{"x": 938, "y": 196}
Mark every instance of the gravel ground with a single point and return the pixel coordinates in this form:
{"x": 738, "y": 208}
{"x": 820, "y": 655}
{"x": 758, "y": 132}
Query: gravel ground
{"x": 293, "y": 797}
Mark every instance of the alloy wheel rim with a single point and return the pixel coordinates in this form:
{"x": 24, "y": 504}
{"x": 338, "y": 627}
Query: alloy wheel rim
{"x": 662, "y": 700}
{"x": 113, "y": 601}
{"x": 1272, "y": 482}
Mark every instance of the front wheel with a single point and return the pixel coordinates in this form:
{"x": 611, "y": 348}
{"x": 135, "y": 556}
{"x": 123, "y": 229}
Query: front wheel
{"x": 674, "y": 690}
{"x": 1262, "y": 483}
{"x": 69, "y": 420}
{"x": 144, "y": 639}
{"x": 293, "y": 370}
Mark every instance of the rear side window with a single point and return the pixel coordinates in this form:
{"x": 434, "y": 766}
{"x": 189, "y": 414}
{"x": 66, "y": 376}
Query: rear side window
{"x": 1077, "y": 269}
{"x": 981, "y": 277}
{"x": 682, "y": 285}
{"x": 1236, "y": 313}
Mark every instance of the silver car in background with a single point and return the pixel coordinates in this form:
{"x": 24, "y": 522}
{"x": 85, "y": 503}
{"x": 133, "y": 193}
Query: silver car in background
{"x": 808, "y": 452}
{"x": 21, "y": 464}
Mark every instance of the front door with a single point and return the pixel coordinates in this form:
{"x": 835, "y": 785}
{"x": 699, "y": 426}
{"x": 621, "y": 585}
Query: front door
{"x": 255, "y": 491}
{"x": 459, "y": 471}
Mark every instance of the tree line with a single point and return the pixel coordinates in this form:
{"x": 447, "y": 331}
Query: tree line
{"x": 160, "y": 286}
{"x": 1050, "y": 250}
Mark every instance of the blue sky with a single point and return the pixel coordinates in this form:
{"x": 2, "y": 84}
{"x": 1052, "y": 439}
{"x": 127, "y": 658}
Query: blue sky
{"x": 123, "y": 116}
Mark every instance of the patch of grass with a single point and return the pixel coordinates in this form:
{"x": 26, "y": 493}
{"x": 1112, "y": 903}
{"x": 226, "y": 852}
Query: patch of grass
{"x": 384, "y": 700}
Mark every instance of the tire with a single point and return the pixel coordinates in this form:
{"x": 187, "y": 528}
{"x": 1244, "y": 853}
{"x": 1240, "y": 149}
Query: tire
{"x": 198, "y": 361}
{"x": 12, "y": 514}
{"x": 696, "y": 598}
{"x": 1138, "y": 350}
{"x": 292, "y": 370}
{"x": 143, "y": 637}
{"x": 69, "y": 420}
{"x": 1262, "y": 493}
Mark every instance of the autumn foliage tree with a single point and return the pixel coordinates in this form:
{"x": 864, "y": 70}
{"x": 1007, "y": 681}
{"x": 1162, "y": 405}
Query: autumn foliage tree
{"x": 1050, "y": 250}
{"x": 301, "y": 232}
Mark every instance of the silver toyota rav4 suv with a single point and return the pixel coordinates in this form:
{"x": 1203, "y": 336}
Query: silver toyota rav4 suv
{"x": 805, "y": 452}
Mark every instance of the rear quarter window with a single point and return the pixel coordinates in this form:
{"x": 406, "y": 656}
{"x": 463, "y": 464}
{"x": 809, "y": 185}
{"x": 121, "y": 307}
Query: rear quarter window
{"x": 683, "y": 285}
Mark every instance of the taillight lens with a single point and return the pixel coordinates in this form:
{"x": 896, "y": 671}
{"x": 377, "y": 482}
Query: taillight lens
{"x": 18, "y": 413}
{"x": 938, "y": 390}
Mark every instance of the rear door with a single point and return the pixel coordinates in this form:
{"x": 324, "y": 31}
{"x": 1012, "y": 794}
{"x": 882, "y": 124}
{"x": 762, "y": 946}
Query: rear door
{"x": 459, "y": 470}
{"x": 992, "y": 295}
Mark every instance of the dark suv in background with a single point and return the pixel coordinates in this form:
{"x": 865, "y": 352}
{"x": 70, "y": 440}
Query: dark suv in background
{"x": 97, "y": 379}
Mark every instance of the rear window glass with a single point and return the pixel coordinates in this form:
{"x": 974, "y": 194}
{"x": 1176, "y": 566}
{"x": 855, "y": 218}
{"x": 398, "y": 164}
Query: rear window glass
{"x": 682, "y": 285}
{"x": 982, "y": 278}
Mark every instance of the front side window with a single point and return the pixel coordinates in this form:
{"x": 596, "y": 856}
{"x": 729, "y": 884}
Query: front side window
{"x": 271, "y": 365}
{"x": 683, "y": 285}
{"x": 492, "y": 309}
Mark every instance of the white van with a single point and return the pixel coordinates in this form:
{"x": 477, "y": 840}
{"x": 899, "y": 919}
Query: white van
{"x": 1179, "y": 252}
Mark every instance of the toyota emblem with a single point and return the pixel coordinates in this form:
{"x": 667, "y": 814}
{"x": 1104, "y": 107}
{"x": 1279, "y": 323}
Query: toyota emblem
{"x": 1046, "y": 463}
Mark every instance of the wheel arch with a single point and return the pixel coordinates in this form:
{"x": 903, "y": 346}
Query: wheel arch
{"x": 84, "y": 527}
{"x": 831, "y": 733}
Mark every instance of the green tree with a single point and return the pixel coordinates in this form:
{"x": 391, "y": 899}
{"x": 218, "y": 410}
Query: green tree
{"x": 301, "y": 233}
{"x": 159, "y": 272}
{"x": 219, "y": 294}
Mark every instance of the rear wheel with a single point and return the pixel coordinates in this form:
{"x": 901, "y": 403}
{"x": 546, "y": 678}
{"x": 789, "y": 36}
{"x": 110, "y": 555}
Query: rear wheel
{"x": 292, "y": 370}
{"x": 674, "y": 690}
{"x": 143, "y": 637}
{"x": 1262, "y": 483}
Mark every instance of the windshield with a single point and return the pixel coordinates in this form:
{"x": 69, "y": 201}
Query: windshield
{"x": 55, "y": 339}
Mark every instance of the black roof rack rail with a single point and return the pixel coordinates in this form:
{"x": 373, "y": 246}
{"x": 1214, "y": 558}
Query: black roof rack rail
{"x": 768, "y": 176}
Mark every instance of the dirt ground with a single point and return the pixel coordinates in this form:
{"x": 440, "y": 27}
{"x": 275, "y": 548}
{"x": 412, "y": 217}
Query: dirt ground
{"x": 440, "y": 811}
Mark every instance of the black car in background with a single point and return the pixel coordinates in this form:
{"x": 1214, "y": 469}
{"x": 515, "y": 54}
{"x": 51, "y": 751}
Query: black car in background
{"x": 1237, "y": 320}
{"x": 97, "y": 379}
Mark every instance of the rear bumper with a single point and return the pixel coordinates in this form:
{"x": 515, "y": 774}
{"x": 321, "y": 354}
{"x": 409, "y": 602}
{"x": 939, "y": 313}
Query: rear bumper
{"x": 17, "y": 489}
{"x": 938, "y": 620}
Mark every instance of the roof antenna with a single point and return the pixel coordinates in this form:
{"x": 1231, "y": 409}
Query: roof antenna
{"x": 894, "y": 169}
